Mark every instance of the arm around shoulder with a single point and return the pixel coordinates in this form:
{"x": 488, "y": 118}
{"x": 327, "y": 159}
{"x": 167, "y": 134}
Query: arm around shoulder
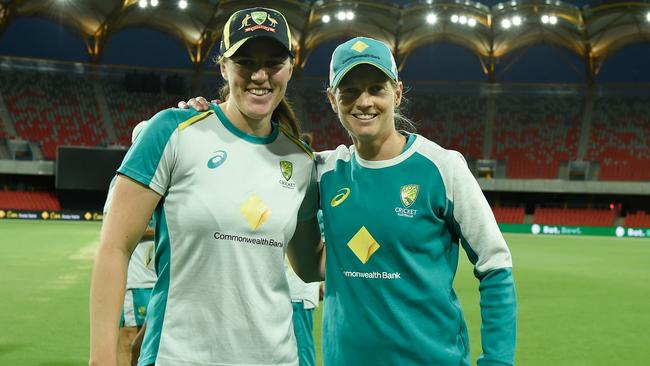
{"x": 306, "y": 251}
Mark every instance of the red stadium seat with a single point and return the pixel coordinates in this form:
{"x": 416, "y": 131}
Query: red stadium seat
{"x": 565, "y": 216}
{"x": 16, "y": 200}
{"x": 509, "y": 215}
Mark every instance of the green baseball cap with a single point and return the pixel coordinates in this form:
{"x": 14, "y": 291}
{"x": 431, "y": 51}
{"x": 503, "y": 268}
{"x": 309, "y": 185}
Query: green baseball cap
{"x": 361, "y": 50}
{"x": 250, "y": 23}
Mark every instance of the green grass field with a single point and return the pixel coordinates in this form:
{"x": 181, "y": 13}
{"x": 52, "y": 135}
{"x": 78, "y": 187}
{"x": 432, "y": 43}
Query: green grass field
{"x": 582, "y": 301}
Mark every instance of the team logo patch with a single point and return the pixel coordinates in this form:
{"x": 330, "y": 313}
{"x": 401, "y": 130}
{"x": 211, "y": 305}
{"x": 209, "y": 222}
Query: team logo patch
{"x": 409, "y": 193}
{"x": 342, "y": 194}
{"x": 363, "y": 245}
{"x": 259, "y": 17}
{"x": 142, "y": 311}
{"x": 359, "y": 46}
{"x": 286, "y": 167}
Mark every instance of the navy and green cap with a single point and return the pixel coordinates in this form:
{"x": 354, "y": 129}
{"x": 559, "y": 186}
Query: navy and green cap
{"x": 250, "y": 23}
{"x": 361, "y": 50}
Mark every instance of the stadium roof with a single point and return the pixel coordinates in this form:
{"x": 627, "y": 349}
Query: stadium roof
{"x": 491, "y": 32}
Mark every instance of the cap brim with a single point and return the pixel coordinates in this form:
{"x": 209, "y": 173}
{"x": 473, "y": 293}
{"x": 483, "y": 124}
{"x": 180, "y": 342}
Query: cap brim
{"x": 346, "y": 69}
{"x": 231, "y": 51}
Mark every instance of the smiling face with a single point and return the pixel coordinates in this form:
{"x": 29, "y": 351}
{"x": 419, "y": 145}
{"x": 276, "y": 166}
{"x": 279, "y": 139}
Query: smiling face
{"x": 365, "y": 102}
{"x": 257, "y": 75}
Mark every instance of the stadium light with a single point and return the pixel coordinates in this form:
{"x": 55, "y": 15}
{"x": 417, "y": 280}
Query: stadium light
{"x": 471, "y": 22}
{"x": 454, "y": 18}
{"x": 349, "y": 15}
{"x": 142, "y": 4}
{"x": 552, "y": 19}
{"x": 182, "y": 4}
{"x": 340, "y": 15}
{"x": 462, "y": 19}
{"x": 153, "y": 3}
{"x": 647, "y": 17}
{"x": 432, "y": 18}
{"x": 516, "y": 20}
{"x": 326, "y": 18}
{"x": 545, "y": 19}
{"x": 506, "y": 24}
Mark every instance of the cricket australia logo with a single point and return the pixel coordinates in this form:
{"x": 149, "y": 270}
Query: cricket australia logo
{"x": 408, "y": 196}
{"x": 286, "y": 167}
{"x": 259, "y": 17}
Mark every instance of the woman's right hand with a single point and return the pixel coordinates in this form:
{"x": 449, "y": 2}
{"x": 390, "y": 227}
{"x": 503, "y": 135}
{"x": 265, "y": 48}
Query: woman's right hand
{"x": 199, "y": 103}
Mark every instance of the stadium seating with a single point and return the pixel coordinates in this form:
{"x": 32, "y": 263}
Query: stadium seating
{"x": 452, "y": 121}
{"x": 53, "y": 109}
{"x": 509, "y": 215}
{"x": 16, "y": 200}
{"x": 129, "y": 108}
{"x": 534, "y": 134}
{"x": 320, "y": 119}
{"x": 637, "y": 219}
{"x": 586, "y": 217}
{"x": 620, "y": 138}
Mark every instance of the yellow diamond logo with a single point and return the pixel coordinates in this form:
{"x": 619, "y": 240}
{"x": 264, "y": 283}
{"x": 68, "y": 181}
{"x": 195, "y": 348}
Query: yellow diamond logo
{"x": 363, "y": 245}
{"x": 254, "y": 211}
{"x": 359, "y": 46}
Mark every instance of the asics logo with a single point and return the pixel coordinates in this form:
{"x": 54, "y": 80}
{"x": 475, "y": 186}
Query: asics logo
{"x": 340, "y": 197}
{"x": 217, "y": 159}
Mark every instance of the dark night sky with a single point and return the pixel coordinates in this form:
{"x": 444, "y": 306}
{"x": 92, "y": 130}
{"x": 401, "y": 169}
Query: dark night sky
{"x": 43, "y": 38}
